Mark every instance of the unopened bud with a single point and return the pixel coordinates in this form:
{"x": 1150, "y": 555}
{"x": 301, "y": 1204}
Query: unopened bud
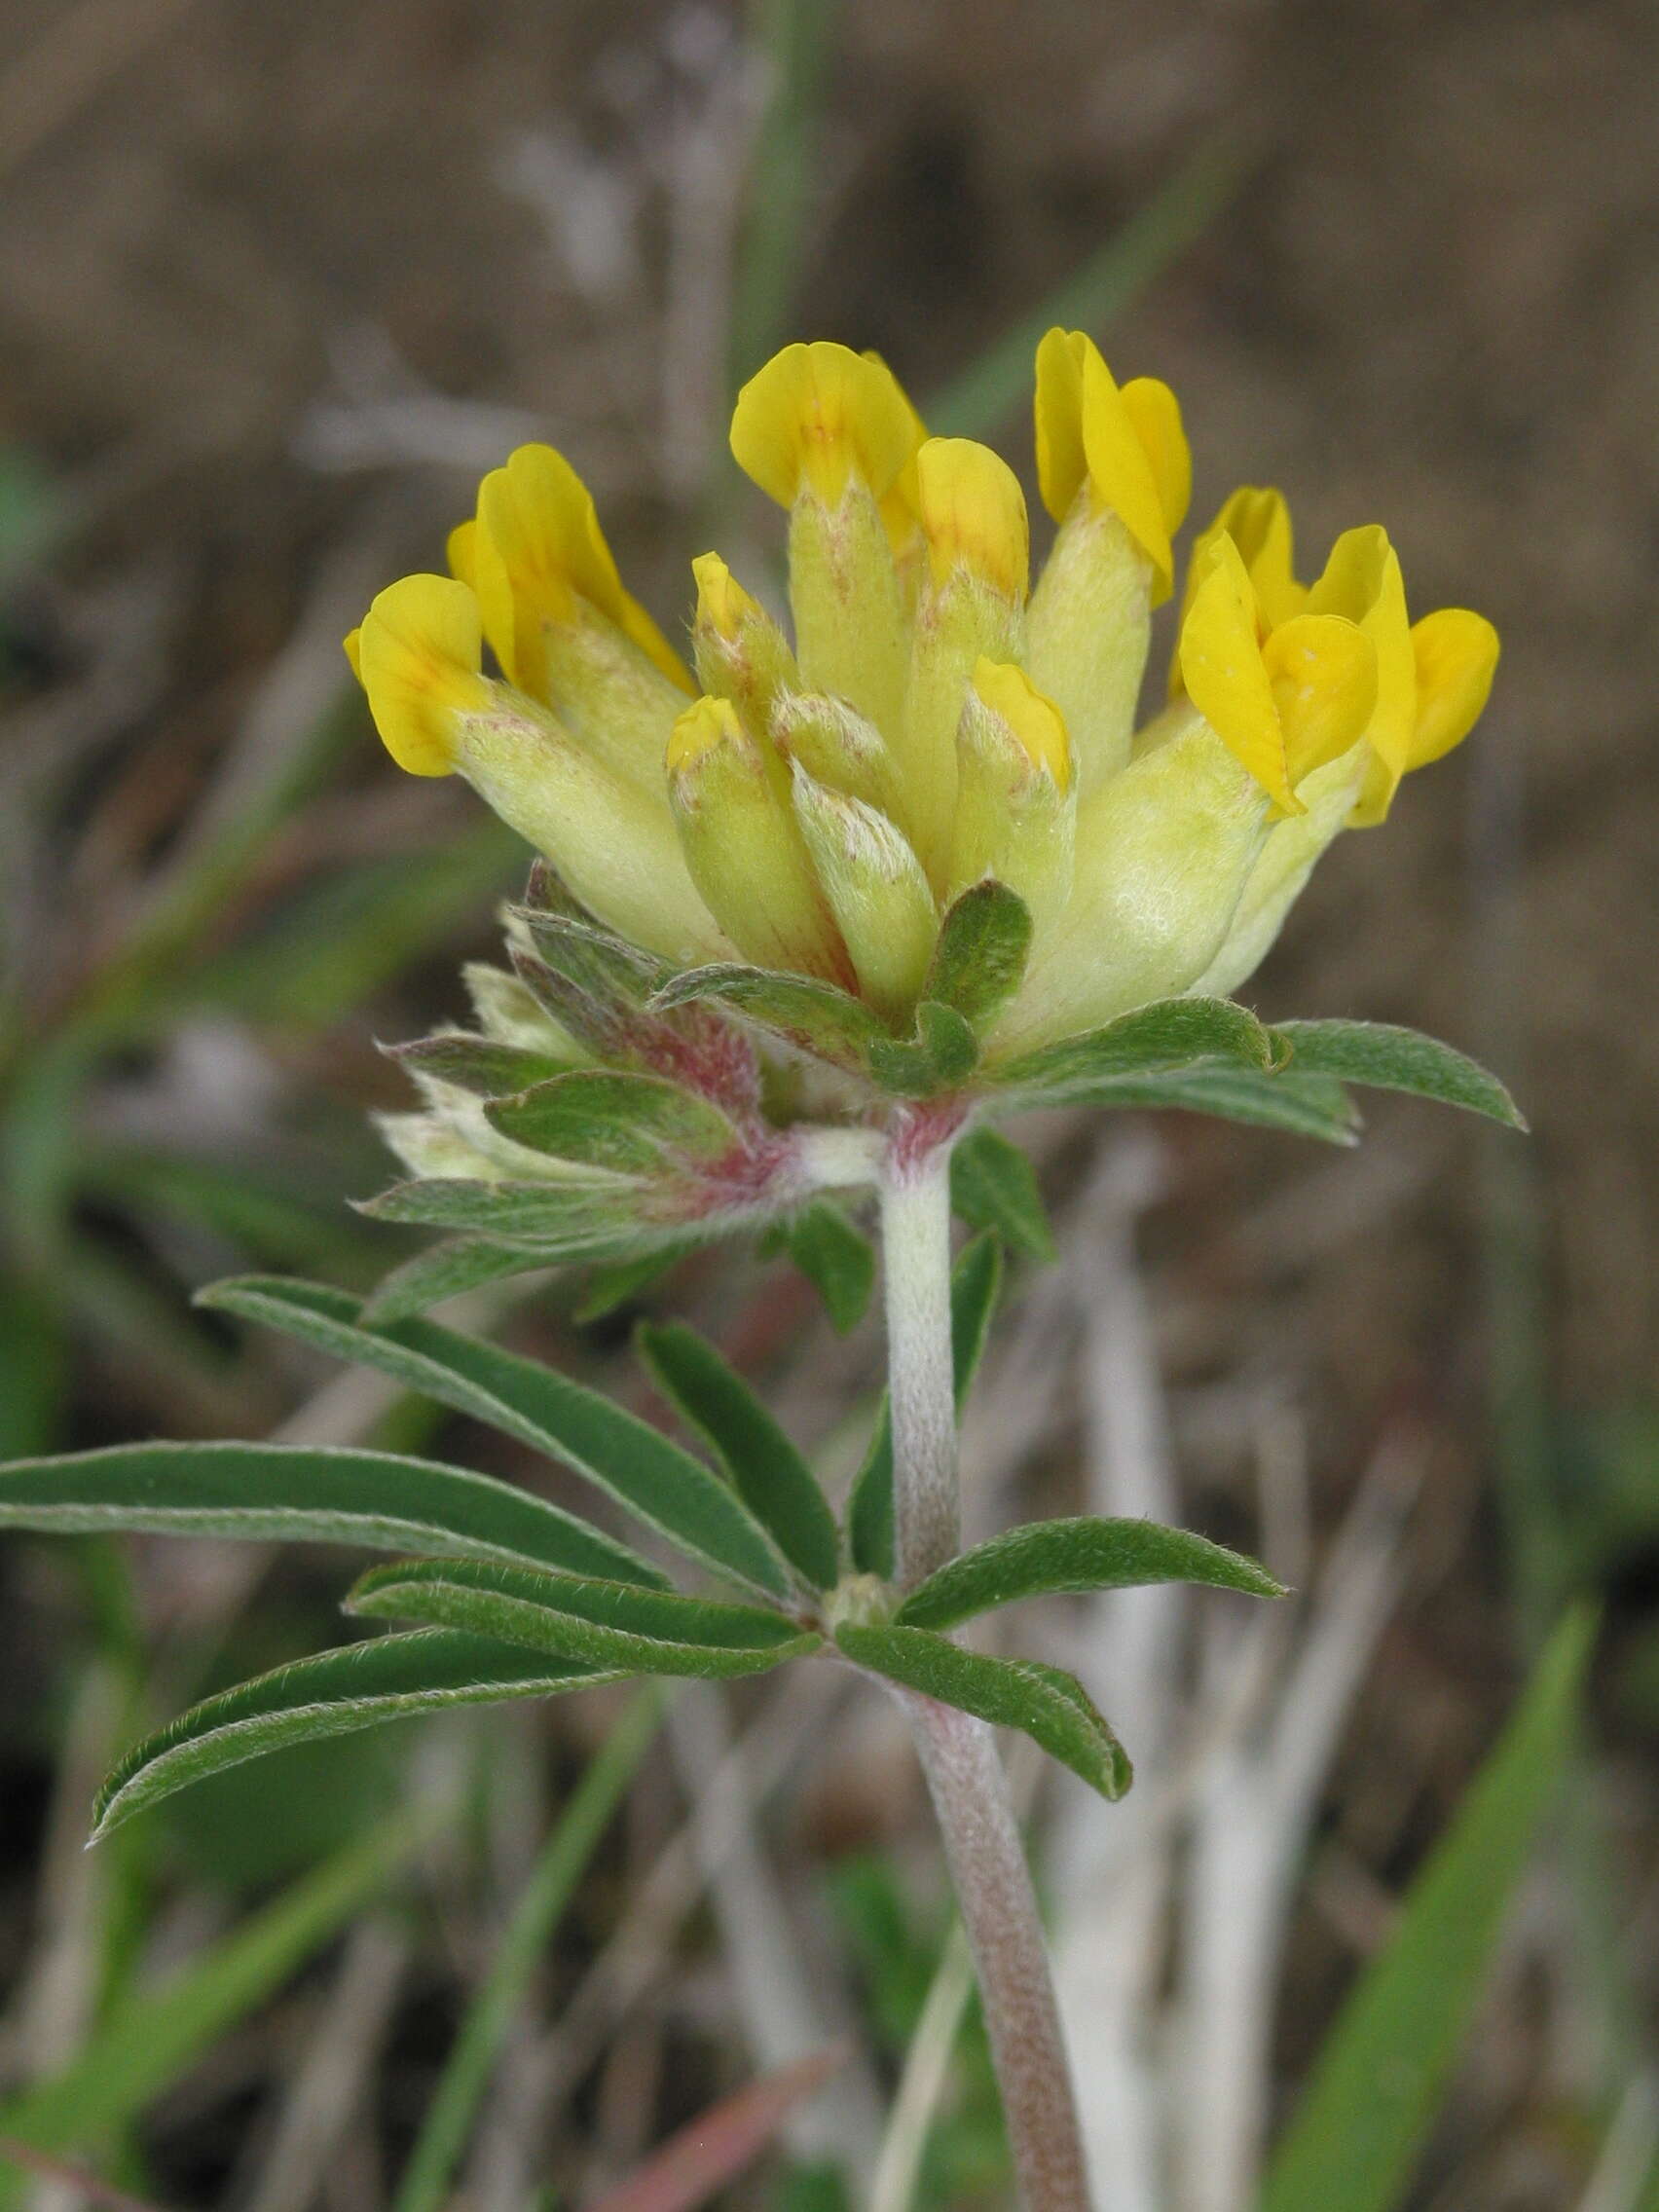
{"x": 744, "y": 847}
{"x": 741, "y": 653}
{"x": 876, "y": 890}
{"x": 1016, "y": 799}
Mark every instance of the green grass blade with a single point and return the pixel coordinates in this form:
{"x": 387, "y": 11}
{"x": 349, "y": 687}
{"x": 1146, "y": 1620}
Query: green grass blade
{"x": 627, "y": 1458}
{"x": 595, "y": 1624}
{"x": 332, "y": 1693}
{"x": 975, "y": 1282}
{"x": 1077, "y": 1555}
{"x": 305, "y": 1493}
{"x": 999, "y": 382}
{"x": 1376, "y": 1053}
{"x": 1379, "y": 2079}
{"x": 158, "y": 2033}
{"x": 1051, "y": 1708}
{"x": 792, "y": 38}
{"x": 769, "y": 1474}
{"x": 541, "y": 1903}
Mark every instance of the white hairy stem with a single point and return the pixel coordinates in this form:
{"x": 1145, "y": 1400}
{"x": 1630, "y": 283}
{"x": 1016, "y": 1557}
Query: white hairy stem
{"x": 958, "y": 1753}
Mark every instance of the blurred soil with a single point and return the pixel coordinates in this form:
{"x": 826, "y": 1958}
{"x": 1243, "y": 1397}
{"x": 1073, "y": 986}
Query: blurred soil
{"x": 234, "y": 235}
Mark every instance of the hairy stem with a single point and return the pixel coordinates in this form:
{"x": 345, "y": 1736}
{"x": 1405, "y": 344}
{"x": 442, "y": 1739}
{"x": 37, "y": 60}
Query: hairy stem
{"x": 958, "y": 1753}
{"x": 915, "y": 1234}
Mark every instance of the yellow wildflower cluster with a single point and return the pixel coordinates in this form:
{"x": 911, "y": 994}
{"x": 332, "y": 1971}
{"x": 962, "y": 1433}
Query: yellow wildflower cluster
{"x": 814, "y": 806}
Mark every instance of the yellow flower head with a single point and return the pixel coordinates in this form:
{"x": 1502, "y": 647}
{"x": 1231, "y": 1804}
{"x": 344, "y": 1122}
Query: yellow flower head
{"x": 941, "y": 716}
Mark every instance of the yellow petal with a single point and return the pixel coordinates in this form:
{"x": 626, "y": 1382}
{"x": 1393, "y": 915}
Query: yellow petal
{"x": 900, "y": 505}
{"x": 816, "y": 417}
{"x": 1155, "y": 412}
{"x": 1063, "y": 467}
{"x": 1257, "y": 521}
{"x": 460, "y": 550}
{"x": 1362, "y": 581}
{"x": 1034, "y": 718}
{"x": 1456, "y": 658}
{"x": 418, "y": 655}
{"x": 704, "y": 725}
{"x": 353, "y": 645}
{"x": 1087, "y": 433}
{"x": 1323, "y": 673}
{"x": 972, "y": 514}
{"x": 538, "y": 547}
{"x": 1224, "y": 674}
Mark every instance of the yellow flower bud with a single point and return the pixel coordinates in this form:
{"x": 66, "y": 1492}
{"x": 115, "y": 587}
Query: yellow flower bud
{"x": 818, "y": 417}
{"x": 418, "y": 655}
{"x": 1116, "y": 473}
{"x": 826, "y": 434}
{"x": 971, "y": 514}
{"x": 1257, "y": 519}
{"x": 744, "y": 847}
{"x": 972, "y": 517}
{"x": 558, "y": 618}
{"x": 1016, "y": 797}
{"x": 876, "y": 891}
{"x": 1127, "y": 446}
{"x": 739, "y": 652}
{"x": 1283, "y": 707}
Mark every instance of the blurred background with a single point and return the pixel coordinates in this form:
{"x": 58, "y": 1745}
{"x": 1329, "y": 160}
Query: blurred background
{"x": 276, "y": 285}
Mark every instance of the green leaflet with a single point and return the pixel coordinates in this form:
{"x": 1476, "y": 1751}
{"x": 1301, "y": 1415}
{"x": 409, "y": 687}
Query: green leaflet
{"x": 1050, "y": 1706}
{"x": 593, "y": 1218}
{"x": 1076, "y": 1555}
{"x": 477, "y": 1064}
{"x": 813, "y": 1017}
{"x": 1400, "y": 1059}
{"x": 330, "y": 1694}
{"x": 941, "y": 1054}
{"x": 626, "y": 1123}
{"x": 627, "y": 1458}
{"x": 993, "y": 1185}
{"x": 975, "y": 1282}
{"x": 769, "y": 1473}
{"x": 981, "y": 956}
{"x": 1168, "y": 1033}
{"x": 595, "y": 1624}
{"x": 836, "y": 1258}
{"x": 1302, "y": 1105}
{"x": 444, "y": 1270}
{"x": 305, "y": 1493}
{"x": 1353, "y": 2139}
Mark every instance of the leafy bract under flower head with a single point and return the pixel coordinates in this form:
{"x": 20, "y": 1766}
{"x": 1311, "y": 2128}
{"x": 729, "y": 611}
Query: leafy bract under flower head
{"x": 914, "y": 840}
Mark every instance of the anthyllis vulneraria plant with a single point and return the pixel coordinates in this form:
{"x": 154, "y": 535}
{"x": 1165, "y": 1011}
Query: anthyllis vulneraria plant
{"x": 807, "y": 922}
